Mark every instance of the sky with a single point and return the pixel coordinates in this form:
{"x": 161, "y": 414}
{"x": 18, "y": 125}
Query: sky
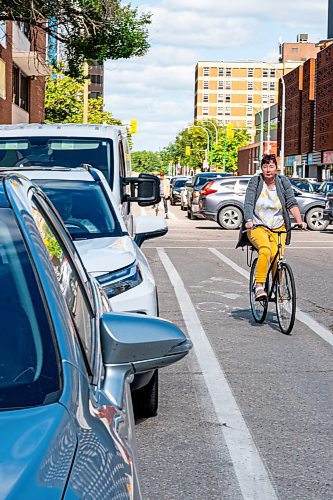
{"x": 158, "y": 88}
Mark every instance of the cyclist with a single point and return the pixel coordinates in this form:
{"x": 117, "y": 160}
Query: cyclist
{"x": 268, "y": 198}
{"x": 164, "y": 192}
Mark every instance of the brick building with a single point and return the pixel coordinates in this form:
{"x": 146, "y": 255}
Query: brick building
{"x": 22, "y": 73}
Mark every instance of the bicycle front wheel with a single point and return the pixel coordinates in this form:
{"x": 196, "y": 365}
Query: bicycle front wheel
{"x": 285, "y": 298}
{"x": 258, "y": 307}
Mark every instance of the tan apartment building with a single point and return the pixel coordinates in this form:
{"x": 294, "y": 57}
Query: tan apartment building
{"x": 233, "y": 92}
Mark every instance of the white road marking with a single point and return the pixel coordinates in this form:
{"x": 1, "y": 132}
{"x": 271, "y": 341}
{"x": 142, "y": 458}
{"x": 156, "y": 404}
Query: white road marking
{"x": 143, "y": 211}
{"x": 252, "y": 476}
{"x": 301, "y": 316}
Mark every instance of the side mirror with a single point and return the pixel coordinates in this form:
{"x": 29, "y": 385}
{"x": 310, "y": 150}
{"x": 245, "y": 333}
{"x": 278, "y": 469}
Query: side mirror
{"x": 147, "y": 227}
{"x": 135, "y": 343}
{"x": 145, "y": 189}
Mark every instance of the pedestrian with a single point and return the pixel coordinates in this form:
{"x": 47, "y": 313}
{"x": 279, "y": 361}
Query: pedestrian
{"x": 164, "y": 192}
{"x": 268, "y": 199}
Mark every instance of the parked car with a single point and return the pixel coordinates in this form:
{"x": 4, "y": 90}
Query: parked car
{"x": 87, "y": 206}
{"x": 328, "y": 212}
{"x": 306, "y": 185}
{"x": 225, "y": 206}
{"x": 193, "y": 191}
{"x": 177, "y": 186}
{"x": 325, "y": 187}
{"x": 104, "y": 147}
{"x": 66, "y": 420}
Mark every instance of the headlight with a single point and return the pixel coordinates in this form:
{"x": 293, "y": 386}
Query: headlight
{"x": 120, "y": 281}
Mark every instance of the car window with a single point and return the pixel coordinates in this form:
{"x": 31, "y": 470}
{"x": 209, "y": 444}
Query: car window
{"x": 50, "y": 151}
{"x": 180, "y": 183}
{"x": 202, "y": 179}
{"x": 69, "y": 281}
{"x": 29, "y": 367}
{"x": 83, "y": 207}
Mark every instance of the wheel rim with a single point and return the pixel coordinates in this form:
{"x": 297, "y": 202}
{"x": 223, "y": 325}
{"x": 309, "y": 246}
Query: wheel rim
{"x": 317, "y": 220}
{"x": 258, "y": 307}
{"x": 230, "y": 218}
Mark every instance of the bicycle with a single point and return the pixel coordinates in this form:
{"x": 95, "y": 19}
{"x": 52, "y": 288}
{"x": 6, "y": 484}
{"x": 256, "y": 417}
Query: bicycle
{"x": 281, "y": 290}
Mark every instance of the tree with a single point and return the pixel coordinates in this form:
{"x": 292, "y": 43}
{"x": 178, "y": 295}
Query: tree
{"x": 225, "y": 153}
{"x": 64, "y": 102}
{"x": 88, "y": 29}
{"x": 148, "y": 162}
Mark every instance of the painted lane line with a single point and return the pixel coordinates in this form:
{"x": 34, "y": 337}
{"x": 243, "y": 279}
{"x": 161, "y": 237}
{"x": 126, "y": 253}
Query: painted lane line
{"x": 252, "y": 476}
{"x": 301, "y": 316}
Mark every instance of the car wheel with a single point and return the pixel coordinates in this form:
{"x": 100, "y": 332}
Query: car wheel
{"x": 145, "y": 399}
{"x": 314, "y": 219}
{"x": 230, "y": 217}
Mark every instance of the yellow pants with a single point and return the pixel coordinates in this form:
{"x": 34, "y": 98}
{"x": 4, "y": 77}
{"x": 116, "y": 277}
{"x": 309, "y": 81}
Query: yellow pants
{"x": 266, "y": 242}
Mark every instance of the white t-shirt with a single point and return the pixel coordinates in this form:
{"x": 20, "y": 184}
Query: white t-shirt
{"x": 268, "y": 209}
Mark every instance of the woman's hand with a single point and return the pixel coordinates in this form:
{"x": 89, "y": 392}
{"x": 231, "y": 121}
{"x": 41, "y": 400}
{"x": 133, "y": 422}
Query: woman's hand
{"x": 303, "y": 225}
{"x": 249, "y": 224}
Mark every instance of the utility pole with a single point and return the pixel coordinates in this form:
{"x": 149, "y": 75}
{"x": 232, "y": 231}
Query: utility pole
{"x": 85, "y": 92}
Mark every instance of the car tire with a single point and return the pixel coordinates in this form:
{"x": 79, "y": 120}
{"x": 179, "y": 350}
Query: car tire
{"x": 314, "y": 219}
{"x": 230, "y": 217}
{"x": 145, "y": 399}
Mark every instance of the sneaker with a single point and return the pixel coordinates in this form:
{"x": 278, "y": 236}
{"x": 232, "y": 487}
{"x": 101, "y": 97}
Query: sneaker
{"x": 260, "y": 293}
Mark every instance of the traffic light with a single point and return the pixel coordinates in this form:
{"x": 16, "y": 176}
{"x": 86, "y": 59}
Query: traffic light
{"x": 133, "y": 126}
{"x": 229, "y": 131}
{"x": 187, "y": 150}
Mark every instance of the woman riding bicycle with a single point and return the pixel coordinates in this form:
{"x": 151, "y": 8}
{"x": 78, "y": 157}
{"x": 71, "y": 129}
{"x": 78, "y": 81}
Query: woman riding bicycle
{"x": 268, "y": 198}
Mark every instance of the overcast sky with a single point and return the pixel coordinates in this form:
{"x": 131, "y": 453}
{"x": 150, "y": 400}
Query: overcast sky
{"x": 158, "y": 89}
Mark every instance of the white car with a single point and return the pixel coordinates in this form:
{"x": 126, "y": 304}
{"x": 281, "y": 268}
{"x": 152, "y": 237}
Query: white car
{"x": 87, "y": 206}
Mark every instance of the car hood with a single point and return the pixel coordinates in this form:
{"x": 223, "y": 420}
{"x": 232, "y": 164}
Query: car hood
{"x": 36, "y": 452}
{"x": 313, "y": 196}
{"x": 105, "y": 255}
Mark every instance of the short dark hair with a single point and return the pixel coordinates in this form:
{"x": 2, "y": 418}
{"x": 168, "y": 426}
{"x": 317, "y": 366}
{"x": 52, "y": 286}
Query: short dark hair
{"x": 268, "y": 158}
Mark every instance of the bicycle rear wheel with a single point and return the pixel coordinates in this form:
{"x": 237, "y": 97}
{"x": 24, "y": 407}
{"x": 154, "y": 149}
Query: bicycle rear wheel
{"x": 285, "y": 298}
{"x": 258, "y": 307}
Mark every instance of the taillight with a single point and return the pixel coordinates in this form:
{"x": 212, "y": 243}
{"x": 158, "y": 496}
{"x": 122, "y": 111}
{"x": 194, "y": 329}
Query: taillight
{"x": 207, "y": 189}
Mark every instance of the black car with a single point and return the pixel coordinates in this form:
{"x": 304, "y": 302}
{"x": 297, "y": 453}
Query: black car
{"x": 176, "y": 187}
{"x": 328, "y": 211}
{"x": 193, "y": 191}
{"x": 305, "y": 184}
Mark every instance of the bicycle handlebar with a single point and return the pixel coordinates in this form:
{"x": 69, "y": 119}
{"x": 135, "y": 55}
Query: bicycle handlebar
{"x": 295, "y": 226}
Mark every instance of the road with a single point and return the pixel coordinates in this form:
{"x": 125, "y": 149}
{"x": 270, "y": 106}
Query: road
{"x": 249, "y": 413}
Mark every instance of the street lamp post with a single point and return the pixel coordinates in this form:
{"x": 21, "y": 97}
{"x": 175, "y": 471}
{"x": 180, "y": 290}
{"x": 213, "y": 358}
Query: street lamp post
{"x": 216, "y": 132}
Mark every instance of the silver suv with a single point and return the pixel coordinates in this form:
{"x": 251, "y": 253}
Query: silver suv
{"x": 222, "y": 201}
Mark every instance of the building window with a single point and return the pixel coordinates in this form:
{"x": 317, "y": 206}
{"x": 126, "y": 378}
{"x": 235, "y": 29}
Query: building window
{"x": 95, "y": 95}
{"x": 228, "y": 110}
{"x": 294, "y": 49}
{"x": 206, "y": 71}
{"x": 271, "y": 85}
{"x": 250, "y": 98}
{"x": 220, "y": 111}
{"x": 220, "y": 85}
{"x": 221, "y": 71}
{"x": 265, "y": 72}
{"x": 249, "y": 111}
{"x": 272, "y": 99}
{"x": 220, "y": 97}
{"x": 249, "y": 123}
{"x": 272, "y": 72}
{"x": 250, "y": 72}
{"x": 98, "y": 79}
{"x": 3, "y": 34}
{"x": 205, "y": 98}
{"x": 228, "y": 72}
{"x": 205, "y": 110}
{"x": 228, "y": 98}
{"x": 265, "y": 85}
{"x": 206, "y": 84}
{"x": 249, "y": 85}
{"x": 2, "y": 79}
{"x": 265, "y": 98}
{"x": 228, "y": 84}
{"x": 220, "y": 122}
{"x": 25, "y": 28}
{"x": 20, "y": 89}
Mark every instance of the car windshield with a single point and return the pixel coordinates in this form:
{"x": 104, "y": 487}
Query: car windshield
{"x": 202, "y": 179}
{"x": 83, "y": 207}
{"x": 303, "y": 185}
{"x": 57, "y": 152}
{"x": 180, "y": 183}
{"x": 29, "y": 373}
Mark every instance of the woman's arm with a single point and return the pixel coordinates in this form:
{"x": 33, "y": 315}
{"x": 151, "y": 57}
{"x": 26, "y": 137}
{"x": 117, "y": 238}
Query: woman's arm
{"x": 297, "y": 216}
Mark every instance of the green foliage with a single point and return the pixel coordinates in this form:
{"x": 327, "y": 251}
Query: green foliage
{"x": 88, "y": 29}
{"x": 64, "y": 102}
{"x": 148, "y": 162}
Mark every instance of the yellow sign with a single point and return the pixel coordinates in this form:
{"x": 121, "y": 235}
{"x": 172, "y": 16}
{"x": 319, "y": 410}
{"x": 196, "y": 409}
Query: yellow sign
{"x": 187, "y": 150}
{"x": 230, "y": 133}
{"x": 133, "y": 126}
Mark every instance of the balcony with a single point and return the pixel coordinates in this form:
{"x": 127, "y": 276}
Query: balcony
{"x": 28, "y": 61}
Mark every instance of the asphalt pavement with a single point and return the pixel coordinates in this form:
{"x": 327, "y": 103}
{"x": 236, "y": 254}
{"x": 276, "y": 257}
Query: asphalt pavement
{"x": 248, "y": 414}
